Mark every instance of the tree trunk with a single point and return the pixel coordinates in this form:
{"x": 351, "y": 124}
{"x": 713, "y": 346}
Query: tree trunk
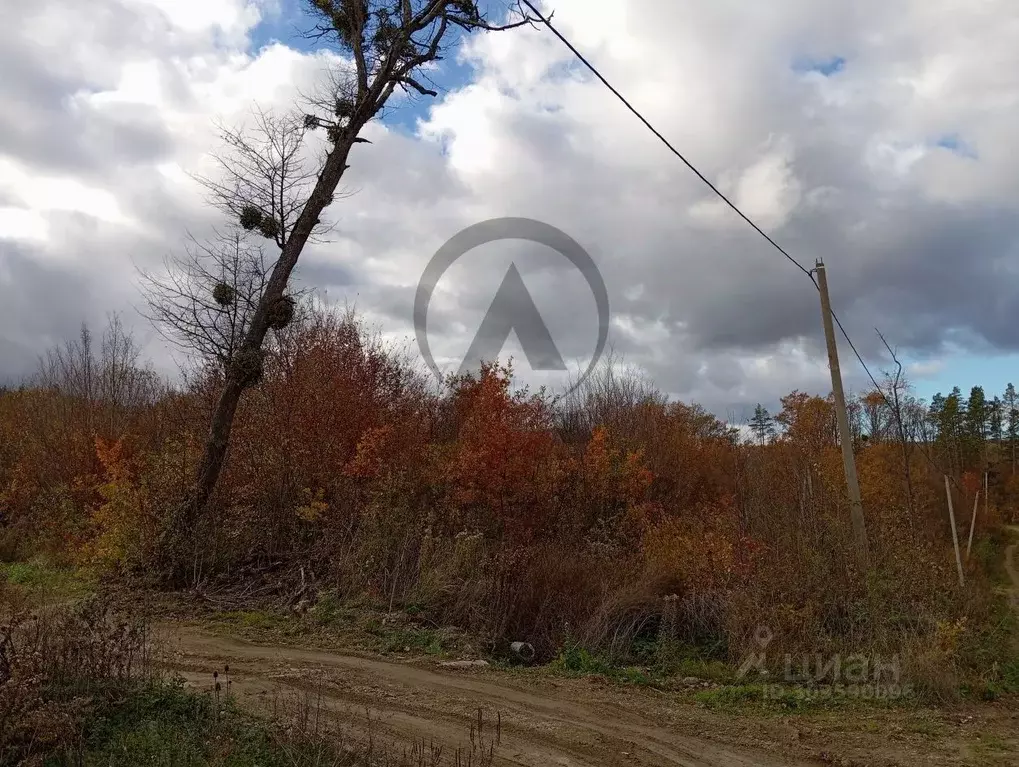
{"x": 216, "y": 443}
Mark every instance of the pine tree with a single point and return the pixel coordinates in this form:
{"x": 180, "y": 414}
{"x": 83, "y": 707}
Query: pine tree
{"x": 762, "y": 424}
{"x": 1011, "y": 418}
{"x": 976, "y": 419}
{"x": 937, "y": 407}
{"x": 996, "y": 421}
{"x": 947, "y": 414}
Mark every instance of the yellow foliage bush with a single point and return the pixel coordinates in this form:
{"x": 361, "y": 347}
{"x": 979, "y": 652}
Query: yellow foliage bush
{"x": 122, "y": 525}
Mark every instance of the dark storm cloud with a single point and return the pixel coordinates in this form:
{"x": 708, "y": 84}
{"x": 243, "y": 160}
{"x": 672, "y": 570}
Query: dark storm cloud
{"x": 39, "y": 302}
{"x": 318, "y": 275}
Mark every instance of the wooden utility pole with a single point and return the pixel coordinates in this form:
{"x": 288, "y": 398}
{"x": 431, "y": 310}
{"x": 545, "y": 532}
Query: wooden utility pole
{"x": 955, "y": 535}
{"x": 972, "y": 525}
{"x": 845, "y": 436}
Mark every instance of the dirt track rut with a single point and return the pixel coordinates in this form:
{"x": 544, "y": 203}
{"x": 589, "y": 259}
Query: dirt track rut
{"x": 544, "y": 722}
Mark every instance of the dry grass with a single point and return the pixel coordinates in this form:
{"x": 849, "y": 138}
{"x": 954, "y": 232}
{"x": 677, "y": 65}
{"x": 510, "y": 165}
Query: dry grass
{"x": 57, "y": 666}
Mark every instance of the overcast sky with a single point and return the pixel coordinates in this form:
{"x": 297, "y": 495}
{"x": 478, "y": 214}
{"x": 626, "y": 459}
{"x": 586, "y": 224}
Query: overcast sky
{"x": 880, "y": 136}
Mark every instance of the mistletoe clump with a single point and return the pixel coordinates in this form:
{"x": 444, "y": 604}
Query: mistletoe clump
{"x": 249, "y": 366}
{"x": 344, "y": 108}
{"x": 269, "y": 227}
{"x": 347, "y": 17}
{"x": 223, "y": 294}
{"x": 389, "y": 36}
{"x": 468, "y": 8}
{"x": 251, "y": 217}
{"x": 281, "y": 313}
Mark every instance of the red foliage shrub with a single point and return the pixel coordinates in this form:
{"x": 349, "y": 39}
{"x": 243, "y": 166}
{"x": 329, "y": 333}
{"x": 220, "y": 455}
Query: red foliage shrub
{"x": 598, "y": 518}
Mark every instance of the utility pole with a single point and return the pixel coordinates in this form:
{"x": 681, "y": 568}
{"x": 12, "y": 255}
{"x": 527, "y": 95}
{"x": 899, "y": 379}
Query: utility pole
{"x": 845, "y": 436}
{"x": 955, "y": 535}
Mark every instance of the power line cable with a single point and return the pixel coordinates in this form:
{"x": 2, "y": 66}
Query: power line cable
{"x": 594, "y": 70}
{"x": 548, "y": 23}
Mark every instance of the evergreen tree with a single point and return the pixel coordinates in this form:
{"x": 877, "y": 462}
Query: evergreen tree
{"x": 977, "y": 412}
{"x": 762, "y": 424}
{"x": 947, "y": 415}
{"x": 996, "y": 421}
{"x": 1011, "y": 418}
{"x": 975, "y": 420}
{"x": 937, "y": 407}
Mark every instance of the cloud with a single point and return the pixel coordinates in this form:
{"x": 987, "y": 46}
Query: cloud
{"x": 847, "y": 163}
{"x": 98, "y": 133}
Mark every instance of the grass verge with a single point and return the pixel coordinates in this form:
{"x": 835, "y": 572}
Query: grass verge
{"x": 44, "y": 582}
{"x": 164, "y": 723}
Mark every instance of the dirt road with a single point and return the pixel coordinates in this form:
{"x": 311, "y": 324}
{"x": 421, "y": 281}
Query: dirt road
{"x": 543, "y": 722}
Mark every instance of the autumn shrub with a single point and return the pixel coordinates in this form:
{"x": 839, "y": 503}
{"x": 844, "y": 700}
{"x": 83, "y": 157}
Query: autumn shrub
{"x": 612, "y": 519}
{"x": 335, "y": 410}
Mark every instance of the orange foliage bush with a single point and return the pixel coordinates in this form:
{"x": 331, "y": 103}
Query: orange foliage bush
{"x": 598, "y": 518}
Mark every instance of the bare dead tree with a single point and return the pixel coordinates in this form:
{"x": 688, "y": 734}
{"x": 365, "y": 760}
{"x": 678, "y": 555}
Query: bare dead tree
{"x": 611, "y": 395}
{"x": 115, "y": 377}
{"x": 102, "y": 391}
{"x": 897, "y": 385}
{"x": 389, "y": 42}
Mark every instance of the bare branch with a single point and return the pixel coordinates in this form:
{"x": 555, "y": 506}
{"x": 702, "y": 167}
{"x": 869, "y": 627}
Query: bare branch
{"x": 265, "y": 168}
{"x": 897, "y": 385}
{"x": 417, "y": 86}
{"x": 185, "y": 307}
